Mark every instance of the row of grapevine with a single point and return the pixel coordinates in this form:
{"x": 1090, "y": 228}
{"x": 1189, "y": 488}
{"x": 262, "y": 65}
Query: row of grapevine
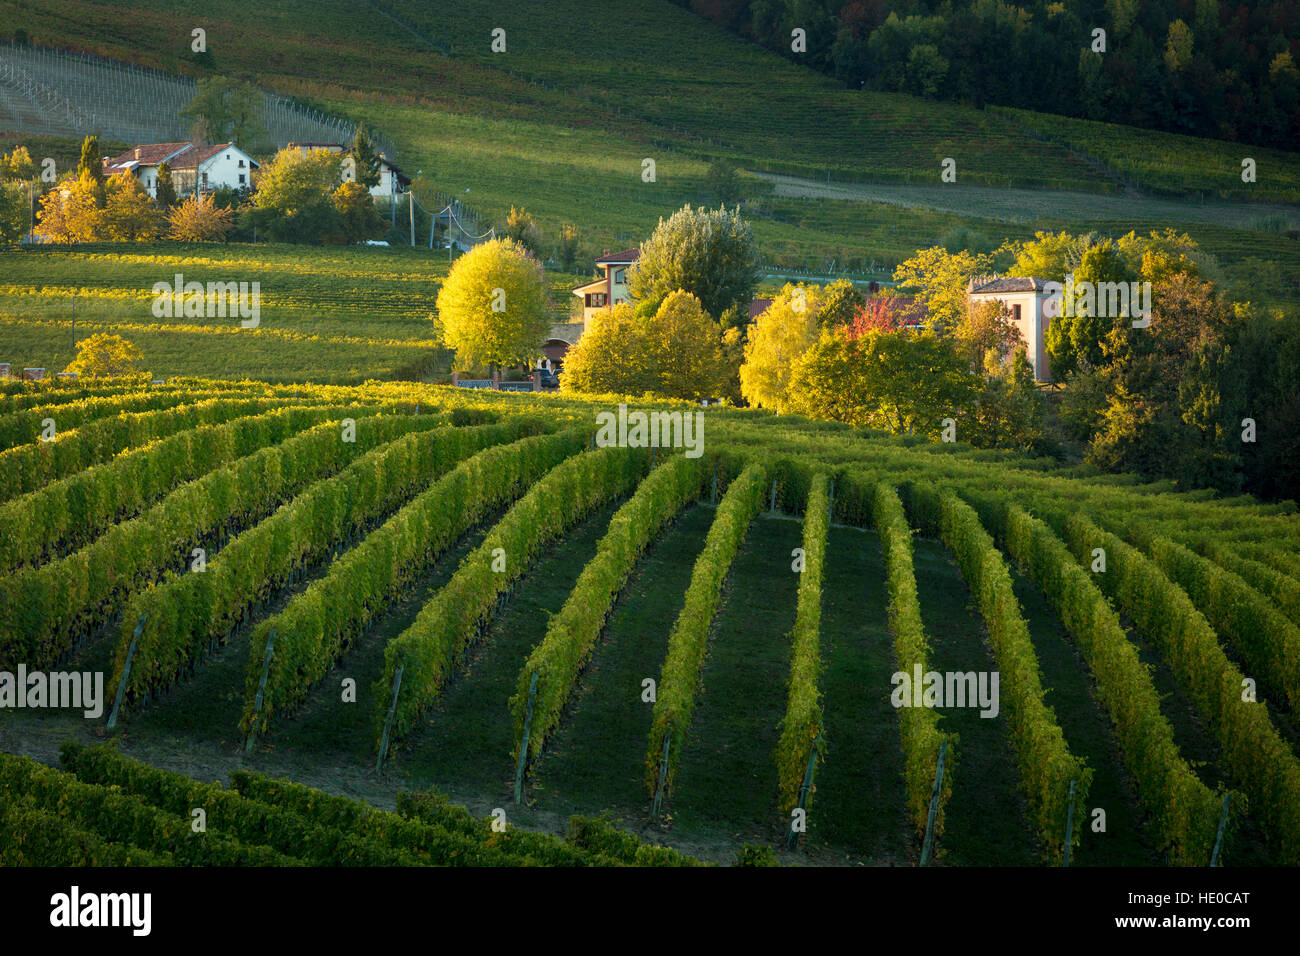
{"x": 688, "y": 640}
{"x": 1260, "y": 635}
{"x": 316, "y": 627}
{"x": 27, "y": 467}
{"x": 922, "y": 736}
{"x": 36, "y": 836}
{"x": 14, "y": 397}
{"x": 45, "y": 609}
{"x": 429, "y": 650}
{"x": 20, "y": 427}
{"x": 1272, "y": 583}
{"x": 572, "y": 633}
{"x": 1047, "y": 767}
{"x": 1184, "y": 811}
{"x": 185, "y": 614}
{"x": 125, "y": 819}
{"x": 802, "y": 725}
{"x": 73, "y": 511}
{"x": 229, "y": 814}
{"x": 1254, "y": 754}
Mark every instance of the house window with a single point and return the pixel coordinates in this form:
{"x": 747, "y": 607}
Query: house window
{"x": 618, "y": 275}
{"x": 241, "y": 182}
{"x": 1015, "y": 314}
{"x": 241, "y": 164}
{"x": 205, "y": 180}
{"x": 596, "y": 300}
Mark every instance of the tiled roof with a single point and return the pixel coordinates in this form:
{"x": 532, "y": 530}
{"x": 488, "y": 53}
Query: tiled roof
{"x": 630, "y": 255}
{"x": 1009, "y": 284}
{"x": 150, "y": 154}
{"x": 758, "y": 307}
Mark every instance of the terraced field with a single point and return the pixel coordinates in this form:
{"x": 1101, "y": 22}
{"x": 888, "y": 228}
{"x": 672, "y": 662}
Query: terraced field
{"x": 396, "y": 587}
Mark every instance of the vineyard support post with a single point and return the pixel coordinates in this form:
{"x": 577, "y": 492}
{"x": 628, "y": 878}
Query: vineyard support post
{"x": 388, "y": 721}
{"x": 713, "y": 495}
{"x": 927, "y": 847}
{"x": 1223, "y": 823}
{"x": 771, "y": 507}
{"x": 261, "y": 691}
{"x": 1069, "y": 827}
{"x": 804, "y": 791}
{"x": 663, "y": 773}
{"x": 126, "y": 673}
{"x": 523, "y": 742}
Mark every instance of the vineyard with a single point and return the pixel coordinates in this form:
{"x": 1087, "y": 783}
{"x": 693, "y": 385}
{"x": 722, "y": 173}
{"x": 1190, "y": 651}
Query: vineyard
{"x": 420, "y": 595}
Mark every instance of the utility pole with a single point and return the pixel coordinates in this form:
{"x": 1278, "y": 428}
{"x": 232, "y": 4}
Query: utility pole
{"x": 410, "y": 205}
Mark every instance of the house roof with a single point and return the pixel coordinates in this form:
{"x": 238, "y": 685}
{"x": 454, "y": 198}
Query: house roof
{"x": 333, "y": 147}
{"x": 179, "y": 155}
{"x": 1009, "y": 284}
{"x": 626, "y": 257}
{"x": 758, "y": 307}
{"x": 596, "y": 286}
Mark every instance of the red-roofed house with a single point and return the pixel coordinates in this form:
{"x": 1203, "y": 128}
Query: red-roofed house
{"x": 193, "y": 167}
{"x": 610, "y": 289}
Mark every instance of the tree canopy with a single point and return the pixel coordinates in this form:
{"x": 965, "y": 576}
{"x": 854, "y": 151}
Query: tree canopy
{"x": 493, "y": 308}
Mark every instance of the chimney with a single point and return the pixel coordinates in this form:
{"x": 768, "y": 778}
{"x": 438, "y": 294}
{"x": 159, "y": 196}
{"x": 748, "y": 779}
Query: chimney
{"x": 137, "y": 152}
{"x": 605, "y": 254}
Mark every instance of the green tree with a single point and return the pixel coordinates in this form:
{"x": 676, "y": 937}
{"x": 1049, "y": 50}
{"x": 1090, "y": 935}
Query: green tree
{"x": 103, "y": 355}
{"x": 128, "y": 214}
{"x": 939, "y": 280}
{"x": 841, "y": 301}
{"x": 522, "y": 228}
{"x": 90, "y": 165}
{"x": 776, "y": 340}
{"x": 493, "y": 307}
{"x": 723, "y": 182}
{"x": 1074, "y": 341}
{"x": 165, "y": 190}
{"x": 294, "y": 198}
{"x": 678, "y": 352}
{"x": 366, "y": 156}
{"x": 709, "y": 253}
{"x": 228, "y": 110}
{"x": 566, "y": 250}
{"x": 902, "y": 382}
{"x": 358, "y": 217}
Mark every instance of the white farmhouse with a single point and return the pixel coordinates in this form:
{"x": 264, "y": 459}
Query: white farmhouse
{"x": 1024, "y": 296}
{"x": 202, "y": 168}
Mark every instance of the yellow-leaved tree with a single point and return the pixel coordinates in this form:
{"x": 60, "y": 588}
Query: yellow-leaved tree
{"x": 678, "y": 352}
{"x": 494, "y": 308}
{"x": 778, "y": 337}
{"x": 103, "y": 355}
{"x": 199, "y": 219}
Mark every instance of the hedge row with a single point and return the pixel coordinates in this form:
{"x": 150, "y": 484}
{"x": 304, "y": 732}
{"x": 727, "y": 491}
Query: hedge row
{"x": 31, "y": 466}
{"x": 34, "y": 836}
{"x": 1184, "y": 811}
{"x": 317, "y": 626}
{"x": 572, "y": 633}
{"x": 802, "y": 724}
{"x": 1047, "y": 767}
{"x": 18, "y": 428}
{"x": 73, "y": 511}
{"x": 1261, "y": 636}
{"x": 228, "y": 814}
{"x": 123, "y": 818}
{"x": 1254, "y": 755}
{"x": 1272, "y": 583}
{"x": 603, "y": 838}
{"x": 430, "y": 649}
{"x": 688, "y": 641}
{"x": 919, "y": 725}
{"x": 184, "y": 614}
{"x": 43, "y": 610}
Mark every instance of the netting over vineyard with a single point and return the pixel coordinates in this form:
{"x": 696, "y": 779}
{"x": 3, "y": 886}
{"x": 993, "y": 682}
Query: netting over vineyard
{"x": 56, "y": 93}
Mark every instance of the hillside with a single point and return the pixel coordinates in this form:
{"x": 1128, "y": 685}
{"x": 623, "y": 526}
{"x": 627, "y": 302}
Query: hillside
{"x": 562, "y": 127}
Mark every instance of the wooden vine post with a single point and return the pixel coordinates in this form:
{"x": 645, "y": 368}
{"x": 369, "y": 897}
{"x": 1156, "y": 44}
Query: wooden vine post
{"x": 805, "y": 790}
{"x": 1223, "y": 824}
{"x": 663, "y": 773}
{"x": 261, "y": 691}
{"x": 1069, "y": 827}
{"x": 126, "y": 673}
{"x": 388, "y": 721}
{"x": 523, "y": 742}
{"x": 927, "y": 847}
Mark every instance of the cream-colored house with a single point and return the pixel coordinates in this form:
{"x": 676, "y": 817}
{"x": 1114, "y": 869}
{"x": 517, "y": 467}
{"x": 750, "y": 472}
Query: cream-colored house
{"x": 611, "y": 288}
{"x": 1025, "y": 298}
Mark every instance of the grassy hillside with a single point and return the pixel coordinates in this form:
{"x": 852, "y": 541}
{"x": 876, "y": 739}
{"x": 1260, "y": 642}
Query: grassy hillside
{"x": 561, "y": 121}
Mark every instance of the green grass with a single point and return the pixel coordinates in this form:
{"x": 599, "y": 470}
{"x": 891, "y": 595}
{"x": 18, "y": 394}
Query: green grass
{"x": 727, "y": 776}
{"x": 859, "y": 802}
{"x": 986, "y": 816}
{"x": 561, "y": 127}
